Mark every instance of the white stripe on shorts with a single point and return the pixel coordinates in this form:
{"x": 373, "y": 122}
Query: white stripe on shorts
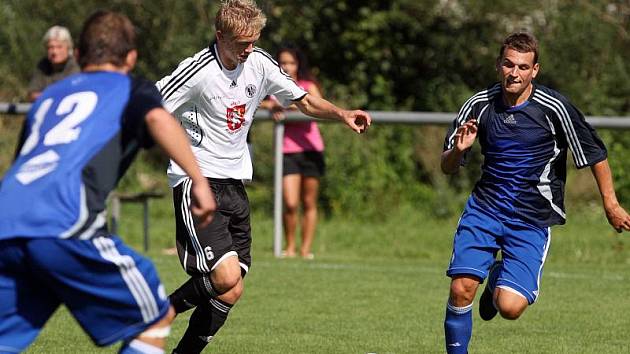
{"x": 200, "y": 258}
{"x": 131, "y": 275}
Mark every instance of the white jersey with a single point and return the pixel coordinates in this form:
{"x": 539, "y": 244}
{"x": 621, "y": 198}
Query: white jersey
{"x": 216, "y": 107}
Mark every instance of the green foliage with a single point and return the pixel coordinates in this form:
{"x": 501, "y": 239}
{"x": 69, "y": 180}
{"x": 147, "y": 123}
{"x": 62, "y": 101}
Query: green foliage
{"x": 419, "y": 55}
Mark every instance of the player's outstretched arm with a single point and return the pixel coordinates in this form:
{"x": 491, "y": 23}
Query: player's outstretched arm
{"x": 464, "y": 139}
{"x": 616, "y": 214}
{"x": 318, "y": 107}
{"x": 169, "y": 135}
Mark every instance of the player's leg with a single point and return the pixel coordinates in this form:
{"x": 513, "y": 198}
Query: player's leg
{"x": 291, "y": 184}
{"x": 211, "y": 310}
{"x": 474, "y": 248}
{"x": 524, "y": 252}
{"x": 487, "y": 307}
{"x": 25, "y": 303}
{"x": 214, "y": 292}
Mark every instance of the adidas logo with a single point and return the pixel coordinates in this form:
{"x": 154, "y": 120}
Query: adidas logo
{"x": 510, "y": 119}
{"x": 456, "y": 344}
{"x": 233, "y": 84}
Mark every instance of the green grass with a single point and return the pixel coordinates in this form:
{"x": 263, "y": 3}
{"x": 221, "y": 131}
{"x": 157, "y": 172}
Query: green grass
{"x": 378, "y": 286}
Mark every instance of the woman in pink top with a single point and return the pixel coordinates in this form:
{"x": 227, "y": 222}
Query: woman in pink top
{"x": 303, "y": 159}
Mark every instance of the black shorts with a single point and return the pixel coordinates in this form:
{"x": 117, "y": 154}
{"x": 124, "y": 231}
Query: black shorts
{"x": 229, "y": 232}
{"x": 307, "y": 163}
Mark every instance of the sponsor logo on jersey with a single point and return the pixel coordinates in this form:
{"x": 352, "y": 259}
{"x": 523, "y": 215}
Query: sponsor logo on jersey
{"x": 233, "y": 84}
{"x": 250, "y": 90}
{"x": 235, "y": 118}
{"x": 510, "y": 120}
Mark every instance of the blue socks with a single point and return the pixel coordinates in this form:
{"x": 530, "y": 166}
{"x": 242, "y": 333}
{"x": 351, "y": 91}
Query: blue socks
{"x": 457, "y": 328}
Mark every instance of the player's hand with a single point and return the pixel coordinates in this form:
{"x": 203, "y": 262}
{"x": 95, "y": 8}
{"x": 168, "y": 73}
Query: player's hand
{"x": 618, "y": 218}
{"x": 465, "y": 135}
{"x": 203, "y": 204}
{"x": 357, "y": 120}
{"x": 278, "y": 114}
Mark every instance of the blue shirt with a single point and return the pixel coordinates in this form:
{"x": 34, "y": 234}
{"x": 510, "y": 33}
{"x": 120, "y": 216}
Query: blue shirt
{"x": 525, "y": 150}
{"x": 78, "y": 139}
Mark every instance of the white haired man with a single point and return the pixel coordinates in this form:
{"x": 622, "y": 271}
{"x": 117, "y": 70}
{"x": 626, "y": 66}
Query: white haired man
{"x": 57, "y": 64}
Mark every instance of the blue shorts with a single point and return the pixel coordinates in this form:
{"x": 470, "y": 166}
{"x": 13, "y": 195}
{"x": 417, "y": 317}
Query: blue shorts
{"x": 113, "y": 292}
{"x": 481, "y": 233}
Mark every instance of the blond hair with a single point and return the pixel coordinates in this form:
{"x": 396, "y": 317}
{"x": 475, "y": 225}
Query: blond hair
{"x": 240, "y": 17}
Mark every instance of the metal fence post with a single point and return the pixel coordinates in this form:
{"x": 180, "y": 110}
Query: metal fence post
{"x": 277, "y": 189}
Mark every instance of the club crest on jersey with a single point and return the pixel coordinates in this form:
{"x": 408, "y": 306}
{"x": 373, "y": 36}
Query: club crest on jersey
{"x": 235, "y": 118}
{"x": 250, "y": 90}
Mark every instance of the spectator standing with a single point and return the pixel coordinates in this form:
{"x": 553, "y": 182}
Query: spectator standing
{"x": 303, "y": 162}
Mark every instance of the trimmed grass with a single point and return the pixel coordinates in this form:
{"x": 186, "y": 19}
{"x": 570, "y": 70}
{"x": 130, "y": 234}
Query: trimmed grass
{"x": 379, "y": 287}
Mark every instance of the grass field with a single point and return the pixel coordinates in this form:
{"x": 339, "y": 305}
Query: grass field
{"x": 379, "y": 287}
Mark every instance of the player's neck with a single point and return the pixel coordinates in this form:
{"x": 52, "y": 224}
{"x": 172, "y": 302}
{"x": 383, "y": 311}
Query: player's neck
{"x": 513, "y": 100}
{"x": 105, "y": 67}
{"x": 225, "y": 59}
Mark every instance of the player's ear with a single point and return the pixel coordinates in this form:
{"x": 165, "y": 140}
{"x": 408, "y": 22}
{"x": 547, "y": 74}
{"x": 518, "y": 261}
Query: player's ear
{"x": 131, "y": 59}
{"x": 535, "y": 71}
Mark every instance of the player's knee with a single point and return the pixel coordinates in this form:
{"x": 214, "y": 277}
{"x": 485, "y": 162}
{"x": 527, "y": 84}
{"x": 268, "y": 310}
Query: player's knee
{"x": 234, "y": 294}
{"x": 227, "y": 275}
{"x": 463, "y": 291}
{"x": 511, "y": 313}
{"x": 511, "y": 310}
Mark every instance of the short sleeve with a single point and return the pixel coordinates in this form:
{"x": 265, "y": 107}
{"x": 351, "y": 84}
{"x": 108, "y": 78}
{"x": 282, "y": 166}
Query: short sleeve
{"x": 585, "y": 145}
{"x": 143, "y": 98}
{"x": 181, "y": 86}
{"x": 278, "y": 82}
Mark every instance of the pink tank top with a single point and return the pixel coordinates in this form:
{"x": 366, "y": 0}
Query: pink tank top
{"x": 302, "y": 136}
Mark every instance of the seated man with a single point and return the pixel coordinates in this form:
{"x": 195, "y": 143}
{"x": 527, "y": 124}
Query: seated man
{"x": 56, "y": 65}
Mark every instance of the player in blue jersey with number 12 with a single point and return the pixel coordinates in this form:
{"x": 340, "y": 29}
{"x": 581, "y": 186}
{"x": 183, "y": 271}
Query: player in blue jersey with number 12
{"x": 524, "y": 130}
{"x": 78, "y": 140}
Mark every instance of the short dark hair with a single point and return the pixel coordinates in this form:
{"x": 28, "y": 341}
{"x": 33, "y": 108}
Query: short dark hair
{"x": 522, "y": 42}
{"x": 107, "y": 37}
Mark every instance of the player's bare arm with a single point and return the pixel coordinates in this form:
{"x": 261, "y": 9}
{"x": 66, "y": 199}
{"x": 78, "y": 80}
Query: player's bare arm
{"x": 313, "y": 106}
{"x": 616, "y": 214}
{"x": 169, "y": 135}
{"x": 464, "y": 139}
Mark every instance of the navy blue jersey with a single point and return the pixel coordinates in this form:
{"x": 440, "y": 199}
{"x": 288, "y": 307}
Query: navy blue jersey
{"x": 78, "y": 140}
{"x": 525, "y": 150}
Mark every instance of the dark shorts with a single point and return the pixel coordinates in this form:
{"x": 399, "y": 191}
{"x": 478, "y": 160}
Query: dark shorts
{"x": 307, "y": 163}
{"x": 112, "y": 291}
{"x": 228, "y": 234}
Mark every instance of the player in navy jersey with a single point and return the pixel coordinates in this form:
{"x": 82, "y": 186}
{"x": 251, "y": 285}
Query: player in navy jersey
{"x": 525, "y": 131}
{"x": 215, "y": 94}
{"x": 78, "y": 140}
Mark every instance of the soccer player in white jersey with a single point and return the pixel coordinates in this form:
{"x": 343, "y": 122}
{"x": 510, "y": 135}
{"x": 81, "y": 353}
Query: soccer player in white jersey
{"x": 215, "y": 94}
{"x": 525, "y": 131}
